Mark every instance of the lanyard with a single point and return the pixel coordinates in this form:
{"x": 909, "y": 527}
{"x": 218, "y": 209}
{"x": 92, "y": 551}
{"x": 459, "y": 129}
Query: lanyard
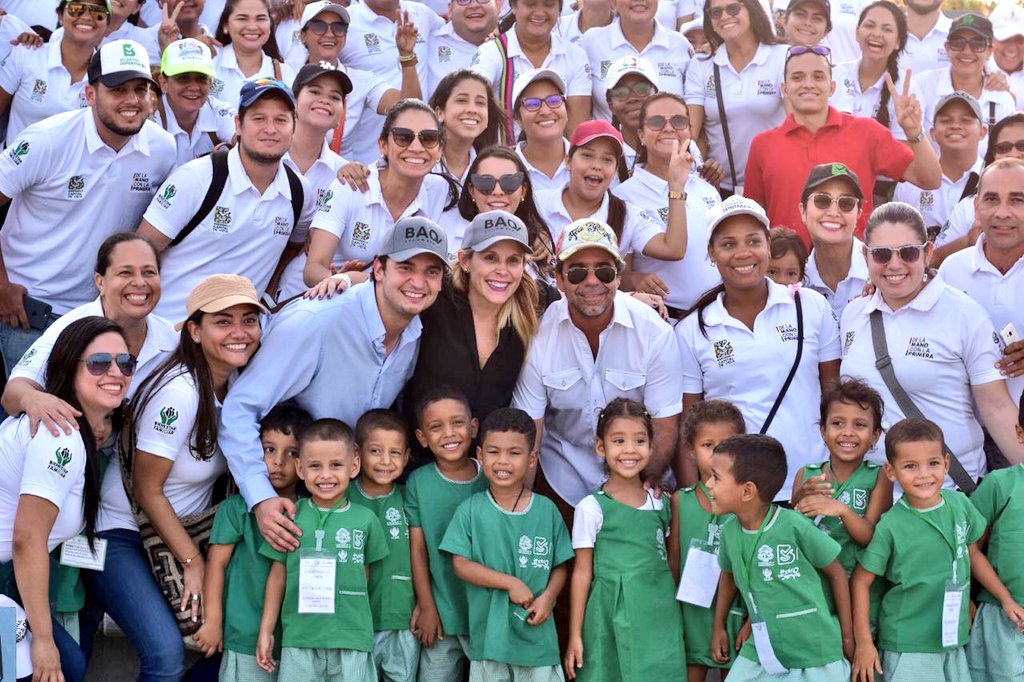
{"x": 846, "y": 484}
{"x": 927, "y": 519}
{"x": 715, "y": 518}
{"x": 748, "y": 567}
{"x": 322, "y": 517}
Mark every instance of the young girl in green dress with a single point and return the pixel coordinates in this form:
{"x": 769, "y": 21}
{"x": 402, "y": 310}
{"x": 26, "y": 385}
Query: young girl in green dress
{"x": 622, "y": 578}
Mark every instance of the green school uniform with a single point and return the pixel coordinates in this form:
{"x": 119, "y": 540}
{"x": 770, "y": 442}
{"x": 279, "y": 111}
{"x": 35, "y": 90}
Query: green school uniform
{"x": 855, "y": 493}
{"x": 698, "y": 525}
{"x": 440, "y": 497}
{"x": 1000, "y": 499}
{"x": 778, "y": 567}
{"x": 915, "y": 550}
{"x": 354, "y": 537}
{"x": 526, "y": 544}
{"x": 391, "y": 594}
{"x": 632, "y": 590}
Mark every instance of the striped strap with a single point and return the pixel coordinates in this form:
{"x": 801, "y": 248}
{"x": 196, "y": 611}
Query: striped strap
{"x": 508, "y": 77}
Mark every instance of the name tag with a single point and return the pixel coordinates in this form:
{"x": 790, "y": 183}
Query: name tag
{"x": 951, "y": 610}
{"x": 699, "y": 581}
{"x": 765, "y": 651}
{"x": 316, "y": 583}
{"x": 76, "y": 553}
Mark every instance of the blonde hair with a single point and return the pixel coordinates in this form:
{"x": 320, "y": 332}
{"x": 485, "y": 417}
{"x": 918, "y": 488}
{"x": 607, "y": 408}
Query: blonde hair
{"x": 520, "y": 309}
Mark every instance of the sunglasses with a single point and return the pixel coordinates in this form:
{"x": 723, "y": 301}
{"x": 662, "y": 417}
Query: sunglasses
{"x": 77, "y": 9}
{"x": 678, "y": 122}
{"x": 604, "y": 273}
{"x": 908, "y": 253}
{"x": 823, "y": 202}
{"x": 552, "y": 101}
{"x": 509, "y": 183}
{"x": 319, "y": 27}
{"x": 732, "y": 9}
{"x": 1007, "y": 147}
{"x": 403, "y": 137}
{"x": 958, "y": 44}
{"x": 641, "y": 89}
{"x": 99, "y": 363}
{"x": 798, "y": 50}
{"x": 470, "y": 2}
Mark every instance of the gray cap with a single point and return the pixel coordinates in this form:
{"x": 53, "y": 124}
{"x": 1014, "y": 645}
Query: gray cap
{"x": 414, "y": 235}
{"x": 492, "y": 227}
{"x": 961, "y": 96}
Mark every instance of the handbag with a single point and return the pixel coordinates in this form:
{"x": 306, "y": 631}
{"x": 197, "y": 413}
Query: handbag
{"x": 796, "y": 363}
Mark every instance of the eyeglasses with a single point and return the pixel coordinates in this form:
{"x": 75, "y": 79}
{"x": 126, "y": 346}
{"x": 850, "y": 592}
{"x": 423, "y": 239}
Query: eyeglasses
{"x": 319, "y": 27}
{"x": 959, "y": 44}
{"x": 77, "y": 9}
{"x": 509, "y": 183}
{"x": 1007, "y": 147}
{"x": 678, "y": 122}
{"x": 403, "y": 137}
{"x": 604, "y": 273}
{"x": 908, "y": 253}
{"x": 470, "y": 2}
{"x": 552, "y": 102}
{"x": 99, "y": 363}
{"x": 823, "y": 202}
{"x": 732, "y": 9}
{"x": 641, "y": 89}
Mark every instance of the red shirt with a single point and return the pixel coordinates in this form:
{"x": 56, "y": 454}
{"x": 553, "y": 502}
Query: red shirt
{"x": 781, "y": 159}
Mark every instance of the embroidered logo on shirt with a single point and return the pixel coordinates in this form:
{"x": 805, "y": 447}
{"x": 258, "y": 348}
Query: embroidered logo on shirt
{"x": 221, "y": 219}
{"x": 165, "y": 423}
{"x": 26, "y": 359}
{"x": 605, "y": 65}
{"x": 765, "y": 555}
{"x": 358, "y": 539}
{"x": 766, "y": 86}
{"x": 848, "y": 341}
{"x": 372, "y": 42}
{"x": 666, "y": 69}
{"x": 786, "y": 554}
{"x": 76, "y": 187}
{"x": 282, "y": 227}
{"x": 919, "y": 348}
{"x": 724, "y": 353}
{"x": 444, "y": 53}
{"x": 140, "y": 183}
{"x": 166, "y": 196}
{"x": 18, "y": 152}
{"x": 860, "y": 498}
{"x": 393, "y": 519}
{"x": 766, "y": 575}
{"x": 663, "y": 214}
{"x": 790, "y": 573}
{"x": 323, "y": 199}
{"x": 709, "y": 89}
{"x": 847, "y": 8}
{"x": 659, "y": 539}
{"x": 343, "y": 538}
{"x": 360, "y": 234}
{"x": 851, "y": 90}
{"x": 217, "y": 86}
{"x": 38, "y": 90}
{"x": 787, "y": 332}
{"x": 927, "y": 199}
{"x": 60, "y": 461}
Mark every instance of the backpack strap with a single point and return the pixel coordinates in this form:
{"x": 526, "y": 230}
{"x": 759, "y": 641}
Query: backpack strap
{"x": 298, "y": 196}
{"x": 219, "y": 159}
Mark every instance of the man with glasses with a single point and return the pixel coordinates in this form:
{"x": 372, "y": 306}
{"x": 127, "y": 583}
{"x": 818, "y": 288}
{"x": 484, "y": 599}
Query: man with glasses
{"x": 814, "y": 132}
{"x": 453, "y": 45}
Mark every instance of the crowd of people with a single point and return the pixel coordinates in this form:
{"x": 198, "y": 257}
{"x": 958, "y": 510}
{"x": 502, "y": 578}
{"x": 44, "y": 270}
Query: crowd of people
{"x": 617, "y": 340}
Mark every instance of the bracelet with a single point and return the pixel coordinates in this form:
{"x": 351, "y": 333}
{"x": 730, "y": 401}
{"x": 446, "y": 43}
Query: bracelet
{"x": 403, "y": 58}
{"x": 342, "y": 277}
{"x": 412, "y": 60}
{"x": 188, "y": 562}
{"x": 672, "y": 195}
{"x": 917, "y": 138}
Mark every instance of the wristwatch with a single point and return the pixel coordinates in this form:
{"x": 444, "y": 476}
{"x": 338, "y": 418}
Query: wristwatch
{"x": 676, "y": 195}
{"x": 918, "y": 138}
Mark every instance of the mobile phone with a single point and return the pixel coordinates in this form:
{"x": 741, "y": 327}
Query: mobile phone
{"x": 1009, "y": 335}
{"x": 38, "y": 312}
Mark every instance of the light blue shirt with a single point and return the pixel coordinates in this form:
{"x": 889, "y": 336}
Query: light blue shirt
{"x": 329, "y": 356}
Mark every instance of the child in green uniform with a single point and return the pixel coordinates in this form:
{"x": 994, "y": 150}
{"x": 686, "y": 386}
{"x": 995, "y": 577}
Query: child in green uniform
{"x": 696, "y": 534}
{"x": 236, "y": 573}
{"x": 779, "y": 562}
{"x": 432, "y": 494}
{"x": 510, "y": 545}
{"x": 382, "y": 437}
{"x": 326, "y": 624}
{"x": 996, "y": 650}
{"x": 926, "y": 546}
{"x": 622, "y": 579}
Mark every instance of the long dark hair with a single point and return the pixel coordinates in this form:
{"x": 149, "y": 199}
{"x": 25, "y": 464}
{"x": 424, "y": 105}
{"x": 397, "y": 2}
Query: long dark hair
{"x": 616, "y": 206}
{"x": 760, "y": 24}
{"x": 270, "y": 47}
{"x": 892, "y": 66}
{"x": 411, "y": 104}
{"x": 61, "y": 370}
{"x": 641, "y": 154}
{"x": 496, "y": 122}
{"x": 996, "y": 131}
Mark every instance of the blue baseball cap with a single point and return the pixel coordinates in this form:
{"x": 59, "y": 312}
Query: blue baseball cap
{"x": 262, "y": 87}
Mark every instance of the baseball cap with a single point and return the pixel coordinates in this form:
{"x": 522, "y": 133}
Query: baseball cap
{"x": 220, "y": 292}
{"x": 972, "y": 22}
{"x": 533, "y": 75}
{"x": 261, "y": 87}
{"x": 624, "y": 66}
{"x": 492, "y": 227}
{"x": 1007, "y": 20}
{"x": 734, "y": 206}
{"x": 22, "y": 638}
{"x": 587, "y": 233}
{"x": 960, "y": 96}
{"x": 118, "y": 62}
{"x": 310, "y": 72}
{"x": 824, "y": 172}
{"x": 315, "y": 8}
{"x": 187, "y": 56}
{"x": 588, "y": 131}
{"x": 697, "y": 23}
{"x": 412, "y": 236}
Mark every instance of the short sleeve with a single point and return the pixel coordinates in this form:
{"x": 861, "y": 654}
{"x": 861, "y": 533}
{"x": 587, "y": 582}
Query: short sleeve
{"x": 729, "y": 537}
{"x": 165, "y": 425}
{"x": 271, "y": 553}
{"x": 32, "y": 365}
{"x": 981, "y": 351}
{"x": 375, "y": 92}
{"x": 645, "y": 228}
{"x": 376, "y": 544}
{"x": 458, "y": 539}
{"x": 663, "y": 394}
{"x": 54, "y": 466}
{"x": 586, "y": 523}
{"x": 229, "y": 523}
{"x": 177, "y": 200}
{"x": 412, "y": 501}
{"x": 225, "y": 119}
{"x": 529, "y": 394}
{"x": 976, "y": 522}
{"x": 820, "y": 549}
{"x": 487, "y": 62}
{"x": 25, "y": 162}
{"x": 578, "y": 82}
{"x": 693, "y": 375}
{"x": 10, "y": 70}
{"x": 959, "y": 223}
{"x": 876, "y": 556}
{"x": 332, "y": 214}
{"x": 694, "y": 90}
{"x": 984, "y": 498}
{"x": 829, "y": 347}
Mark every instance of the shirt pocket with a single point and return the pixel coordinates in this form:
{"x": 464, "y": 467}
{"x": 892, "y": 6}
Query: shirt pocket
{"x": 561, "y": 387}
{"x": 626, "y": 384}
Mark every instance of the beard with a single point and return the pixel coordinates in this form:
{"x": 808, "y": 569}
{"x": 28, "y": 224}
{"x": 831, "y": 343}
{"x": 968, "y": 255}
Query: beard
{"x": 117, "y": 128}
{"x": 922, "y": 9}
{"x": 261, "y": 157}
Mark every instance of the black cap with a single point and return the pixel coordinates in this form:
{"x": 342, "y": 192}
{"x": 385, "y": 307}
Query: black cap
{"x": 972, "y": 22}
{"x": 824, "y": 172}
{"x": 310, "y": 72}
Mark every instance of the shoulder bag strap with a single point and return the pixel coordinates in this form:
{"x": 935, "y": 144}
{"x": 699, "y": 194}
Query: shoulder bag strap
{"x": 796, "y": 363}
{"x": 971, "y": 188}
{"x": 219, "y": 159}
{"x": 508, "y": 77}
{"x": 298, "y": 196}
{"x": 725, "y": 126}
{"x": 883, "y": 362}
{"x": 277, "y": 71}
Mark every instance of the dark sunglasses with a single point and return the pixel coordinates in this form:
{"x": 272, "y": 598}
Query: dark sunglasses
{"x": 819, "y": 50}
{"x": 958, "y": 44}
{"x": 678, "y": 122}
{"x": 77, "y": 9}
{"x": 641, "y": 89}
{"x": 908, "y": 253}
{"x": 604, "y": 273}
{"x": 824, "y": 202}
{"x": 533, "y": 103}
{"x": 509, "y": 183}
{"x": 403, "y": 137}
{"x": 732, "y": 9}
{"x": 99, "y": 363}
{"x": 1007, "y": 147}
{"x": 319, "y": 27}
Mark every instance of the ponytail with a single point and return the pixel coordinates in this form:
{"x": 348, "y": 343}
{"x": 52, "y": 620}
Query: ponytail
{"x": 703, "y": 302}
{"x": 616, "y": 215}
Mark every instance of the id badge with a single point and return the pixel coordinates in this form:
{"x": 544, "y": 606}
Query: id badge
{"x": 765, "y": 651}
{"x": 75, "y": 552}
{"x": 952, "y": 603}
{"x": 699, "y": 581}
{"x": 317, "y": 572}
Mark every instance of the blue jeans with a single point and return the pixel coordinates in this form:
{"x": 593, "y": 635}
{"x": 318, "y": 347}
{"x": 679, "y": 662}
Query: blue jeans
{"x": 127, "y": 590}
{"x": 14, "y": 342}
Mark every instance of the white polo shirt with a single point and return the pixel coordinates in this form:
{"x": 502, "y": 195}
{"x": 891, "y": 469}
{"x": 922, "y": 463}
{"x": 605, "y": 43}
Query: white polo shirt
{"x": 371, "y": 41}
{"x": 362, "y": 122}
{"x": 539, "y": 180}
{"x": 215, "y": 117}
{"x": 10, "y": 28}
{"x": 70, "y": 191}
{"x": 569, "y": 27}
{"x": 690, "y": 277}
{"x": 147, "y": 36}
{"x": 849, "y": 288}
{"x": 842, "y": 39}
{"x": 959, "y": 223}
{"x": 922, "y": 54}
{"x": 850, "y": 99}
{"x": 935, "y": 84}
{"x": 942, "y": 343}
{"x": 244, "y": 234}
{"x": 449, "y": 52}
{"x": 290, "y": 45}
{"x": 752, "y": 97}
{"x": 749, "y": 367}
{"x": 936, "y": 205}
{"x": 564, "y": 58}
{"x": 1002, "y": 296}
{"x": 40, "y": 85}
{"x": 668, "y": 51}
{"x": 566, "y": 386}
{"x": 228, "y": 77}
{"x": 639, "y": 227}
{"x": 33, "y": 12}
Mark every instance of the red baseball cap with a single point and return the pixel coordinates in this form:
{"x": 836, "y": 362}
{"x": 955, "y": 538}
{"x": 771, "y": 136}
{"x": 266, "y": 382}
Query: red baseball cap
{"x": 589, "y": 131}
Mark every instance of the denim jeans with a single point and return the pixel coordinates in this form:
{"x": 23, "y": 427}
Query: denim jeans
{"x": 14, "y": 342}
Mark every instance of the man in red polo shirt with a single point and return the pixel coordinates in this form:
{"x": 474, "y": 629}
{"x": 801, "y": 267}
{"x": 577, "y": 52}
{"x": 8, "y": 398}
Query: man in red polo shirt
{"x": 814, "y": 133}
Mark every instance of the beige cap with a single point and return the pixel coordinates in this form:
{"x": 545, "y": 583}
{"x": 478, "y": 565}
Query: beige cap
{"x": 220, "y": 292}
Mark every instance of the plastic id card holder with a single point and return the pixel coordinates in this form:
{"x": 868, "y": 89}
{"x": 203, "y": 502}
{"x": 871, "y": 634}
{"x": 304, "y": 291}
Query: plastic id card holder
{"x": 317, "y": 571}
{"x": 763, "y": 643}
{"x": 952, "y": 603}
{"x": 76, "y": 553}
{"x": 699, "y": 581}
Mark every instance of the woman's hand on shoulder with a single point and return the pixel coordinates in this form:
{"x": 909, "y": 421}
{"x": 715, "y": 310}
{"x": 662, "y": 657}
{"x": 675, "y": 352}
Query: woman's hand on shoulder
{"x": 354, "y": 174}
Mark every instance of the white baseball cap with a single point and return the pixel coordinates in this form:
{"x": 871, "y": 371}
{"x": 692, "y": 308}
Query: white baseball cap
{"x": 22, "y": 638}
{"x": 734, "y": 206}
{"x": 693, "y": 24}
{"x": 315, "y": 8}
{"x": 623, "y": 66}
{"x": 118, "y": 62}
{"x": 533, "y": 75}
{"x": 1007, "y": 20}
{"x": 187, "y": 56}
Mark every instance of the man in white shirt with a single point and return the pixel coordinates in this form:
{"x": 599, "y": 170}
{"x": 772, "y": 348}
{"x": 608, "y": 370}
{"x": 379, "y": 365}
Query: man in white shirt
{"x": 453, "y": 45}
{"x": 1008, "y": 47}
{"x": 928, "y": 29}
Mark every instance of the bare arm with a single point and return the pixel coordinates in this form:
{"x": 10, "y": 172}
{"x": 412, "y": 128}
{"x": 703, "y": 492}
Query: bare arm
{"x": 210, "y": 636}
{"x": 579, "y": 593}
{"x": 674, "y": 550}
{"x": 666, "y": 430}
{"x": 477, "y": 574}
{"x": 671, "y": 244}
{"x": 720, "y": 637}
{"x": 23, "y": 395}
{"x": 12, "y": 304}
{"x": 866, "y": 662}
{"x": 33, "y": 522}
{"x": 999, "y": 415}
{"x": 836, "y": 575}
{"x": 5, "y": 102}
{"x": 696, "y": 113}
{"x": 828, "y": 372}
{"x": 428, "y": 623}
{"x": 273, "y": 598}
{"x": 159, "y": 239}
{"x": 322, "y": 247}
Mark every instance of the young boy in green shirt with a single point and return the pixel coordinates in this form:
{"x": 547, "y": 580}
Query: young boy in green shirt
{"x": 777, "y": 560}
{"x": 326, "y": 624}
{"x": 926, "y": 546}
{"x": 510, "y": 545}
{"x": 382, "y": 437}
{"x": 432, "y": 494}
{"x": 236, "y": 573}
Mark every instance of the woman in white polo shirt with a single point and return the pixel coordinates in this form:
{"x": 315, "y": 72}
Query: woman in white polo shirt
{"x": 246, "y": 31}
{"x": 49, "y": 485}
{"x": 541, "y": 114}
{"x": 941, "y": 343}
{"x": 742, "y": 339}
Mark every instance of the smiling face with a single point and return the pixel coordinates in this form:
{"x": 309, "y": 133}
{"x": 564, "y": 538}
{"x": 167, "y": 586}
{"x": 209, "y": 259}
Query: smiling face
{"x": 121, "y": 110}
{"x": 740, "y": 250}
{"x": 898, "y": 281}
{"x": 496, "y": 272}
{"x": 1011, "y": 133}
{"x": 636, "y": 11}
{"x": 830, "y": 225}
{"x": 708, "y": 435}
{"x": 625, "y": 448}
{"x": 228, "y": 338}
{"x": 87, "y": 28}
{"x": 1009, "y": 53}
{"x": 383, "y": 456}
{"x": 447, "y": 429}
{"x": 920, "y": 468}
{"x": 535, "y": 19}
{"x": 730, "y": 28}
{"x": 415, "y": 161}
{"x": 592, "y": 168}
{"x": 327, "y": 467}
{"x": 506, "y": 457}
{"x": 265, "y": 129}
{"x": 659, "y": 141}
{"x": 407, "y": 288}
{"x": 808, "y": 83}
{"x": 320, "y": 104}
{"x": 627, "y": 111}
{"x": 325, "y": 46}
{"x": 786, "y": 269}
{"x": 101, "y": 394}
{"x": 806, "y": 24}
{"x": 849, "y": 431}
{"x": 474, "y": 19}
{"x": 130, "y": 286}
{"x": 280, "y": 451}
{"x": 248, "y": 25}
{"x": 464, "y": 115}
{"x": 498, "y": 200}
{"x": 878, "y": 34}
{"x": 186, "y": 92}
{"x": 966, "y": 63}
{"x": 545, "y": 125}
{"x": 958, "y": 129}
{"x": 728, "y": 496}
{"x": 591, "y": 298}
{"x": 999, "y": 208}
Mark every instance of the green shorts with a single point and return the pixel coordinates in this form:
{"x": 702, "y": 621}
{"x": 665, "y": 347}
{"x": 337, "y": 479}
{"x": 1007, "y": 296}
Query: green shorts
{"x": 949, "y": 666}
{"x": 746, "y": 670}
{"x": 996, "y": 650}
{"x": 396, "y": 653}
{"x": 326, "y": 665}
{"x": 236, "y": 667}
{"x": 493, "y": 671}
{"x": 444, "y": 661}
